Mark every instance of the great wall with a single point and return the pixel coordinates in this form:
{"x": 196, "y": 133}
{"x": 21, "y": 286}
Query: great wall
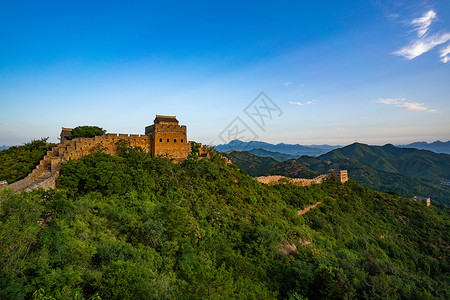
{"x": 276, "y": 179}
{"x": 164, "y": 137}
{"x": 340, "y": 175}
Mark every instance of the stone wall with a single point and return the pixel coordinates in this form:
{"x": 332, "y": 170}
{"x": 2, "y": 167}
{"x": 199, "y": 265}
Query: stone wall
{"x": 46, "y": 173}
{"x": 276, "y": 179}
{"x": 164, "y": 137}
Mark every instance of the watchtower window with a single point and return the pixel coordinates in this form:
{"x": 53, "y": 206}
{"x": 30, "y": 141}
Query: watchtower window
{"x": 181, "y": 140}
{"x": 160, "y": 140}
{"x": 168, "y": 140}
{"x": 174, "y": 140}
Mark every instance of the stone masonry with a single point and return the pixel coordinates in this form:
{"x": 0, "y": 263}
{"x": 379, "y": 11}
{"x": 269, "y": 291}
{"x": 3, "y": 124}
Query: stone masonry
{"x": 164, "y": 137}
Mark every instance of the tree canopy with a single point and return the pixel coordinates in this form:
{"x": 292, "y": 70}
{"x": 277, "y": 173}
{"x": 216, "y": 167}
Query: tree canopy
{"x": 17, "y": 162}
{"x": 86, "y": 131}
{"x": 136, "y": 227}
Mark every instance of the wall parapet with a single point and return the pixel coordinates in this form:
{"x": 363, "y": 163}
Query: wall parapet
{"x": 277, "y": 179}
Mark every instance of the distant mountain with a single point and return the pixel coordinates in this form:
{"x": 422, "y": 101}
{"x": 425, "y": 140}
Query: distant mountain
{"x": 437, "y": 146}
{"x": 4, "y": 147}
{"x": 261, "y": 166}
{"x": 388, "y": 158}
{"x": 294, "y": 150}
{"x": 407, "y": 172}
{"x": 380, "y": 180}
{"x": 275, "y": 155}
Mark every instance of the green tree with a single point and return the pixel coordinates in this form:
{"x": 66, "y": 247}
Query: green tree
{"x": 86, "y": 131}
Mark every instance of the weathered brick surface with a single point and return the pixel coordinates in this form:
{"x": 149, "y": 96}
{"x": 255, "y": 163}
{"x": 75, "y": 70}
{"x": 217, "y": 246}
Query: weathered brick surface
{"x": 276, "y": 179}
{"x": 164, "y": 137}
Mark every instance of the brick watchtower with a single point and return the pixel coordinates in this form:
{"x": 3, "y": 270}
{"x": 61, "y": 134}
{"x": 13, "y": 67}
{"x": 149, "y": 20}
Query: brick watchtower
{"x": 167, "y": 137}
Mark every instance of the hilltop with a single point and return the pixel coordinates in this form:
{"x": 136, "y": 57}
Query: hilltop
{"x": 437, "y": 146}
{"x": 132, "y": 226}
{"x": 260, "y": 166}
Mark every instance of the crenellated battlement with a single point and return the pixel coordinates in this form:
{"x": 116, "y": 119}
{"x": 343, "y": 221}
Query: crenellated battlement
{"x": 164, "y": 137}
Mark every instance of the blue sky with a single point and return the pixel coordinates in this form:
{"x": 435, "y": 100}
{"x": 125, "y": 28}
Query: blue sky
{"x": 335, "y": 72}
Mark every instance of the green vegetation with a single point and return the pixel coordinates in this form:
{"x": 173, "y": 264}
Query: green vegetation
{"x": 385, "y": 169}
{"x": 18, "y": 161}
{"x": 275, "y": 155}
{"x": 263, "y": 166}
{"x": 135, "y": 227}
{"x": 86, "y": 131}
{"x": 388, "y": 158}
{"x": 381, "y": 180}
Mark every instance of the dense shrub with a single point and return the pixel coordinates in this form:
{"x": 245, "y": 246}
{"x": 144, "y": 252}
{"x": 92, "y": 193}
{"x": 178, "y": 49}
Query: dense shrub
{"x": 136, "y": 227}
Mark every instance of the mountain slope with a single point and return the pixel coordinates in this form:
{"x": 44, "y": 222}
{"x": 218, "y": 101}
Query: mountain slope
{"x": 437, "y": 146}
{"x": 381, "y": 180}
{"x": 296, "y": 150}
{"x": 363, "y": 173}
{"x": 261, "y": 166}
{"x": 18, "y": 161}
{"x": 136, "y": 227}
{"x": 275, "y": 155}
{"x": 409, "y": 162}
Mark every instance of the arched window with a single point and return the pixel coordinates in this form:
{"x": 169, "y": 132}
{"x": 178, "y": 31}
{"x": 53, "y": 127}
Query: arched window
{"x": 181, "y": 140}
{"x": 174, "y": 140}
{"x": 160, "y": 140}
{"x": 168, "y": 140}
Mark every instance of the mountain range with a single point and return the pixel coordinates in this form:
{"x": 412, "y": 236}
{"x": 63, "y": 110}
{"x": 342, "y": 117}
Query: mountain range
{"x": 289, "y": 149}
{"x": 437, "y": 146}
{"x": 407, "y": 172}
{"x": 3, "y": 147}
{"x": 283, "y": 151}
{"x": 406, "y": 161}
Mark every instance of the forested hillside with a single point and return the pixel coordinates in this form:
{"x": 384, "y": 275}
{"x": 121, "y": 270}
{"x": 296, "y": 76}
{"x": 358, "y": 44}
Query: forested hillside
{"x": 135, "y": 227}
{"x": 388, "y": 158}
{"x": 381, "y": 180}
{"x": 18, "y": 161}
{"x": 262, "y": 166}
{"x": 381, "y": 168}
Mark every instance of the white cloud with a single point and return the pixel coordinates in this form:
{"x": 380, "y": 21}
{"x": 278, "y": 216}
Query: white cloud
{"x": 420, "y": 46}
{"x": 424, "y": 42}
{"x": 404, "y": 104}
{"x": 300, "y": 103}
{"x": 445, "y": 54}
{"x": 286, "y": 84}
{"x": 423, "y": 23}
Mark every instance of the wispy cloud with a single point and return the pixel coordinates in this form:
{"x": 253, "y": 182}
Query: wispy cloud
{"x": 300, "y": 103}
{"x": 423, "y": 23}
{"x": 424, "y": 42}
{"x": 286, "y": 84}
{"x": 420, "y": 46}
{"x": 407, "y": 105}
{"x": 445, "y": 54}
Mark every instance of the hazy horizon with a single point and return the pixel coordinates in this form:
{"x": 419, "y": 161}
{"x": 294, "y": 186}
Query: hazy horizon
{"x": 332, "y": 73}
